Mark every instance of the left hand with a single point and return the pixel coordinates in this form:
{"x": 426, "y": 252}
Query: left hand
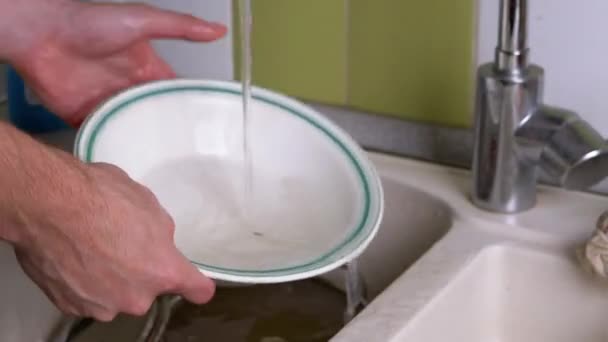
{"x": 75, "y": 55}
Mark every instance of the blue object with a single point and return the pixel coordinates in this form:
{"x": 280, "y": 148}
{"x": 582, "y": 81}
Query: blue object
{"x": 25, "y": 112}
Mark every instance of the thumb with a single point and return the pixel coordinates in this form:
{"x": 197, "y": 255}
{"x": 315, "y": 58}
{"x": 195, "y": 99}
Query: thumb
{"x": 193, "y": 285}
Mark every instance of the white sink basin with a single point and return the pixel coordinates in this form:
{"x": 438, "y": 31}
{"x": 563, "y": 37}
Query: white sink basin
{"x": 511, "y": 294}
{"x": 413, "y": 222}
{"x": 491, "y": 277}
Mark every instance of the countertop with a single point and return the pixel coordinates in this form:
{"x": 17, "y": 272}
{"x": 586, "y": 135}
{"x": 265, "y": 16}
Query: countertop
{"x": 561, "y": 222}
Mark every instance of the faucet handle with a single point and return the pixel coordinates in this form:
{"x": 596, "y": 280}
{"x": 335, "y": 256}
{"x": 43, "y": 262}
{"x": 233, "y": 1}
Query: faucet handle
{"x": 576, "y": 155}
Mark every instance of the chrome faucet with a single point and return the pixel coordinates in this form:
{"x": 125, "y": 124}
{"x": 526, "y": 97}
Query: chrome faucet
{"x": 516, "y": 135}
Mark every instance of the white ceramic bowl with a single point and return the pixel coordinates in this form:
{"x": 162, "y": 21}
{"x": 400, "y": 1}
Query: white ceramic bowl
{"x": 316, "y": 200}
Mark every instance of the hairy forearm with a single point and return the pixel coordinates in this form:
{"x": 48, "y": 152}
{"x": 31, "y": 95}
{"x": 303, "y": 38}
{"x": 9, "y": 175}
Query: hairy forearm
{"x": 36, "y": 181}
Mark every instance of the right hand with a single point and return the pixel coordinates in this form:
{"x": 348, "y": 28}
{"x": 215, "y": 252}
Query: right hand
{"x": 74, "y": 54}
{"x": 106, "y": 247}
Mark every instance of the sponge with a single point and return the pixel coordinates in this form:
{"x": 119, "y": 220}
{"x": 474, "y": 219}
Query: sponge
{"x": 594, "y": 254}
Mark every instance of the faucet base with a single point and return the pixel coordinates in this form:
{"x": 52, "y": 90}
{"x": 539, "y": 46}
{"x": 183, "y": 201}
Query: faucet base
{"x": 504, "y": 168}
{"x": 515, "y": 133}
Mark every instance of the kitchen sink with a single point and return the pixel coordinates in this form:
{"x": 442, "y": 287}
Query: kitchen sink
{"x": 510, "y": 294}
{"x": 491, "y": 277}
{"x": 439, "y": 269}
{"x": 413, "y": 222}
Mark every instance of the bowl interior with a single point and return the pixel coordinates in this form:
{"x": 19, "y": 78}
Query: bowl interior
{"x": 308, "y": 202}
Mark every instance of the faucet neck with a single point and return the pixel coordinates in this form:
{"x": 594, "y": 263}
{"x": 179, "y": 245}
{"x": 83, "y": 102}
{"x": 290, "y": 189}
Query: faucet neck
{"x": 512, "y": 50}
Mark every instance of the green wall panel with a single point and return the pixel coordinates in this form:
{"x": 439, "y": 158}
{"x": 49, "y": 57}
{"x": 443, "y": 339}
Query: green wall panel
{"x": 413, "y": 59}
{"x": 299, "y": 48}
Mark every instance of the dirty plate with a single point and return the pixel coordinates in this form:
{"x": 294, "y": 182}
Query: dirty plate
{"x": 310, "y": 201}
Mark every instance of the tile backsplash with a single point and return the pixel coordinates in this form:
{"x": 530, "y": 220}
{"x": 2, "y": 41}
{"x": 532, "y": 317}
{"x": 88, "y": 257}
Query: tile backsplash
{"x": 412, "y": 59}
{"x": 406, "y": 58}
{"x": 299, "y": 48}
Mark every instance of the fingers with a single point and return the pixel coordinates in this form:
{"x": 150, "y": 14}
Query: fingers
{"x": 149, "y": 66}
{"x": 160, "y": 70}
{"x": 163, "y": 24}
{"x": 193, "y": 285}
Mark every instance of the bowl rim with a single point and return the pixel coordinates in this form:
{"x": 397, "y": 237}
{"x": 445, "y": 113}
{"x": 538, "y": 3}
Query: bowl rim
{"x": 357, "y": 238}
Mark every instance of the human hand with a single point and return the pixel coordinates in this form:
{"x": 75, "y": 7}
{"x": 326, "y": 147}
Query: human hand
{"x": 74, "y": 55}
{"x": 103, "y": 245}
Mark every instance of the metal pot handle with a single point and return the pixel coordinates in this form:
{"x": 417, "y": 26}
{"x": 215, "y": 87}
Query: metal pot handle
{"x": 154, "y": 328}
{"x": 157, "y": 321}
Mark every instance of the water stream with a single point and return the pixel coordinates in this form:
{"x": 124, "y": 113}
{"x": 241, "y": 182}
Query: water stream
{"x": 355, "y": 293}
{"x": 246, "y": 23}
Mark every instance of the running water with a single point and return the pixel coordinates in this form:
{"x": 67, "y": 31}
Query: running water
{"x": 246, "y": 63}
{"x": 355, "y": 291}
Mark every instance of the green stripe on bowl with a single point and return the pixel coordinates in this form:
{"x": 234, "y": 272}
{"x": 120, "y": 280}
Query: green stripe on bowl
{"x": 321, "y": 261}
